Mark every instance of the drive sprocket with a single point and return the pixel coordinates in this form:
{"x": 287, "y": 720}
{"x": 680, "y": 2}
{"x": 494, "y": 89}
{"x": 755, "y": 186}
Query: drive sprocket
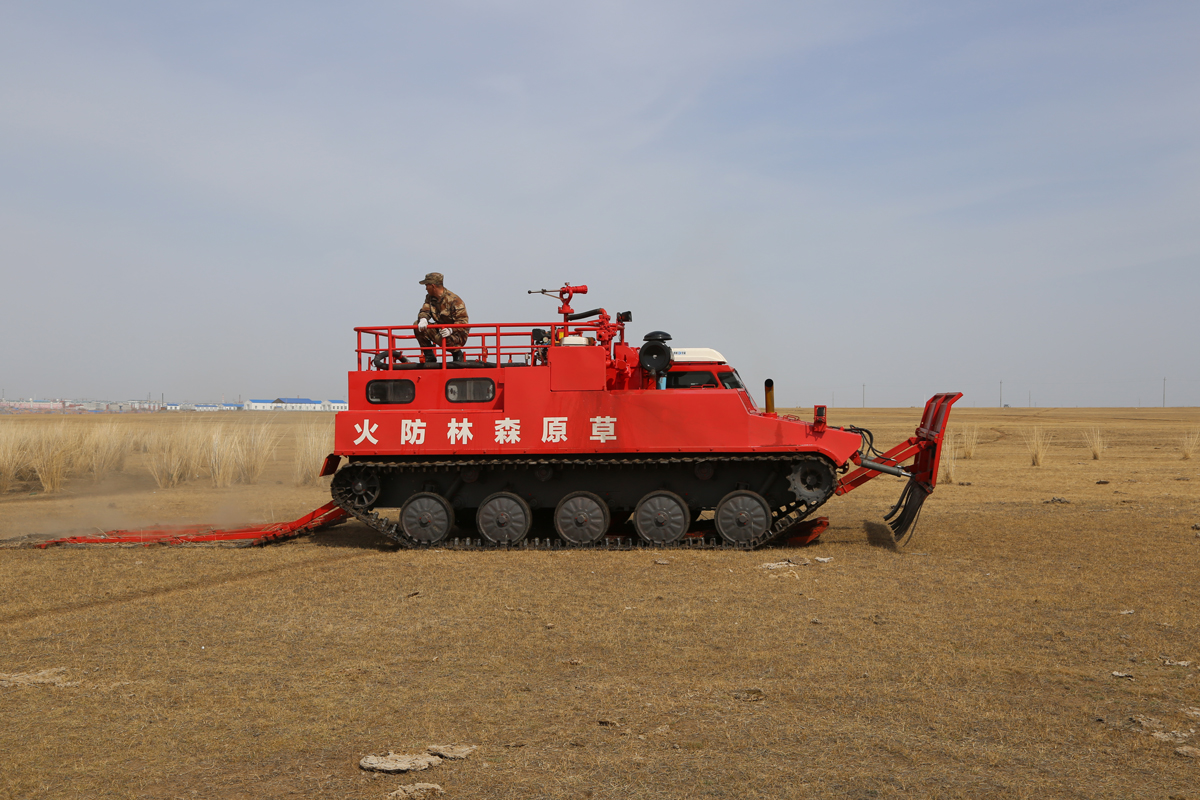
{"x": 812, "y": 480}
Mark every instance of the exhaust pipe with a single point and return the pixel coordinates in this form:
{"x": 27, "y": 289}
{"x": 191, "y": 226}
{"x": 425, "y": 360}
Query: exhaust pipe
{"x": 770, "y": 391}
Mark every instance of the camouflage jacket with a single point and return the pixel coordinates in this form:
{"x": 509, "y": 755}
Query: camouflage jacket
{"x": 449, "y": 309}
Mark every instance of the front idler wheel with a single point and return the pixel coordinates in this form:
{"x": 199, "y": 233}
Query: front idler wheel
{"x": 426, "y": 518}
{"x": 742, "y": 517}
{"x": 503, "y": 518}
{"x": 581, "y": 518}
{"x": 662, "y": 517}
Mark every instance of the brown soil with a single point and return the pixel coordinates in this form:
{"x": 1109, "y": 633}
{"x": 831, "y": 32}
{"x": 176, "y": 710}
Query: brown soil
{"x": 975, "y": 662}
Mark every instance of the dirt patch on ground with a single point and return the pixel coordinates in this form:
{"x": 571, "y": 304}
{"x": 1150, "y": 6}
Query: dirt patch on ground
{"x": 977, "y": 661}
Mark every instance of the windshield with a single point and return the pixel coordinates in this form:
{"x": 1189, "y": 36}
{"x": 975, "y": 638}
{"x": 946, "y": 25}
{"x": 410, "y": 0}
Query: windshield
{"x": 730, "y": 380}
{"x": 689, "y": 380}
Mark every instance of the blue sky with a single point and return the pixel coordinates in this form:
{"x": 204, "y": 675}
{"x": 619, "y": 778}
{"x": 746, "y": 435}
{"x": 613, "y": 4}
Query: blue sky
{"x": 203, "y": 200}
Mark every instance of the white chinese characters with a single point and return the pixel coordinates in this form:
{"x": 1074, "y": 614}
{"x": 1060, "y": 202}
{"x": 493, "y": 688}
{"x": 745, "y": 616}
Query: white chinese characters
{"x": 458, "y": 432}
{"x": 554, "y": 429}
{"x": 603, "y": 429}
{"x": 365, "y": 430}
{"x": 412, "y": 431}
{"x": 508, "y": 431}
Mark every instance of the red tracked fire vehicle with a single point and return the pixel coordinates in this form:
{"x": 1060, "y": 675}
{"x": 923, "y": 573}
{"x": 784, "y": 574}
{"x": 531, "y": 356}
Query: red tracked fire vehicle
{"x": 568, "y": 422}
{"x": 567, "y": 425}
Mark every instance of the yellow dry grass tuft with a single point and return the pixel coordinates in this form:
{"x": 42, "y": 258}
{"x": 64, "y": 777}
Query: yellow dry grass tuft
{"x": 14, "y": 454}
{"x": 258, "y": 449}
{"x": 53, "y": 453}
{"x": 141, "y": 439}
{"x": 103, "y": 449}
{"x": 1037, "y": 443}
{"x": 225, "y": 445}
{"x": 167, "y": 460}
{"x": 1189, "y": 444}
{"x": 219, "y": 449}
{"x": 196, "y": 449}
{"x": 1094, "y": 438}
{"x": 194, "y": 442}
{"x": 969, "y": 440}
{"x": 314, "y": 441}
{"x": 949, "y": 463}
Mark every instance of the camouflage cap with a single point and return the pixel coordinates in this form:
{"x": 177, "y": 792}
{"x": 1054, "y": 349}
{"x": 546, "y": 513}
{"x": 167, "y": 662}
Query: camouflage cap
{"x": 434, "y": 278}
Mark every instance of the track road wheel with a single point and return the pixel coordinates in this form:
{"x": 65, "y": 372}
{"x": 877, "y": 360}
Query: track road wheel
{"x": 426, "y": 518}
{"x": 662, "y": 517}
{"x": 742, "y": 516}
{"x": 581, "y": 518}
{"x": 364, "y": 490}
{"x": 503, "y": 518}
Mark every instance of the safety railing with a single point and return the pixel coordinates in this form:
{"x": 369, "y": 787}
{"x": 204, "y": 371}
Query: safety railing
{"x": 494, "y": 344}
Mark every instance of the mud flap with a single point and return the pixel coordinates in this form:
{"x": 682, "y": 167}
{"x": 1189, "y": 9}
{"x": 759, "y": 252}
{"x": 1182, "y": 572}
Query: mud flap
{"x": 907, "y": 509}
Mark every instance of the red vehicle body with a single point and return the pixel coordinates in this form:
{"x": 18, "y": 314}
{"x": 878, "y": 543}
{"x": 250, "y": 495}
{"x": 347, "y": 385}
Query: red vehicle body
{"x": 568, "y": 421}
{"x": 582, "y": 400}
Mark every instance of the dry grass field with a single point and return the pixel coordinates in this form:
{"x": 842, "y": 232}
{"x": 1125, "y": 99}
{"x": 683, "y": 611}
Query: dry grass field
{"x": 977, "y": 661}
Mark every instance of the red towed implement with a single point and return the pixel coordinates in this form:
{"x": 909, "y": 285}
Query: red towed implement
{"x": 565, "y": 429}
{"x": 249, "y": 536}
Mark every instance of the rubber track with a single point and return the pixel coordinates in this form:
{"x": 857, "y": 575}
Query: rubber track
{"x": 783, "y": 518}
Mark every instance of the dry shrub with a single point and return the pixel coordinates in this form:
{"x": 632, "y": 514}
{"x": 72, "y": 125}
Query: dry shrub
{"x": 142, "y": 440}
{"x": 314, "y": 441}
{"x": 14, "y": 454}
{"x": 1188, "y": 444}
{"x": 1094, "y": 437}
{"x": 258, "y": 448}
{"x": 54, "y": 451}
{"x": 167, "y": 460}
{"x": 968, "y": 441}
{"x": 194, "y": 444}
{"x": 176, "y": 455}
{"x": 156, "y": 439}
{"x": 949, "y": 465}
{"x": 103, "y": 449}
{"x": 189, "y": 451}
{"x": 1037, "y": 442}
{"x": 225, "y": 444}
{"x": 225, "y": 453}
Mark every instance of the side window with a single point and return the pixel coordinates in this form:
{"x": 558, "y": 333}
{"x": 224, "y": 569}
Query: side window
{"x": 391, "y": 391}
{"x": 690, "y": 380}
{"x": 470, "y": 390}
{"x": 730, "y": 380}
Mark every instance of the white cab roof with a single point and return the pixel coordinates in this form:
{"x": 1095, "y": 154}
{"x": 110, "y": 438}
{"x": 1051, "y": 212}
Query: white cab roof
{"x": 702, "y": 355}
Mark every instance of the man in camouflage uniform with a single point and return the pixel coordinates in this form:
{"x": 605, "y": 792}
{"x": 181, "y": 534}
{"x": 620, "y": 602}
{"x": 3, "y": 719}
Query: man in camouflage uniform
{"x": 442, "y": 307}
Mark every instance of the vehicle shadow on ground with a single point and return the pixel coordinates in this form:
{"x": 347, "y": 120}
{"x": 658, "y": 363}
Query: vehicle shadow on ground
{"x": 353, "y": 535}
